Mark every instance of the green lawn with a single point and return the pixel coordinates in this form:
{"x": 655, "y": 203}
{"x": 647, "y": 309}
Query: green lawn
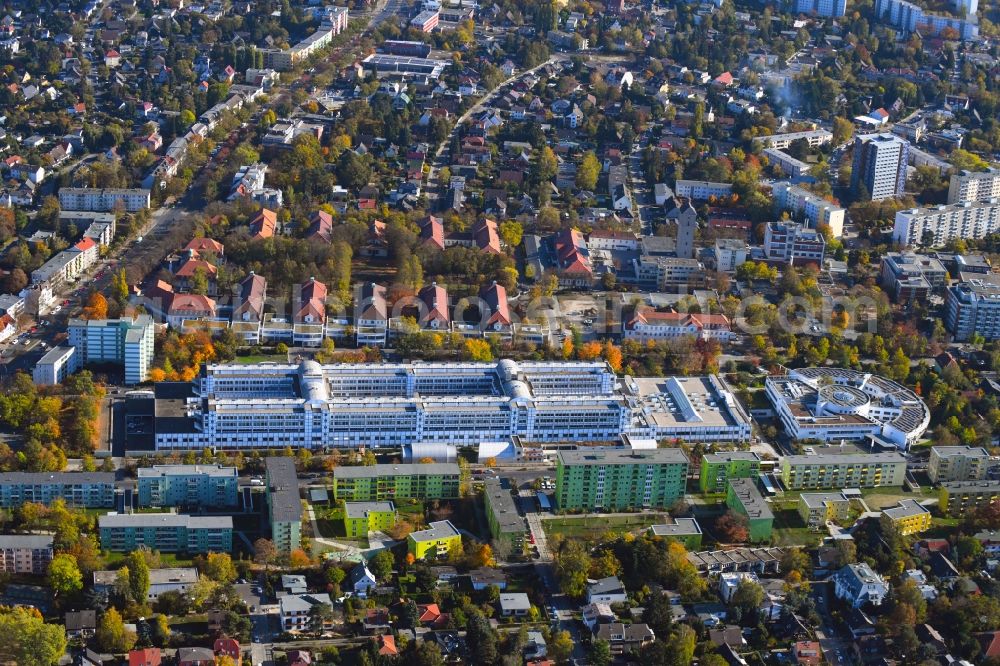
{"x": 262, "y": 358}
{"x": 790, "y": 530}
{"x": 167, "y": 560}
{"x": 593, "y": 528}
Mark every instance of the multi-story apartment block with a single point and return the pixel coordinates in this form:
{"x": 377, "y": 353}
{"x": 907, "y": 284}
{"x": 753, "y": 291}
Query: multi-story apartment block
{"x": 25, "y": 553}
{"x": 619, "y": 479}
{"x": 828, "y": 8}
{"x": 880, "y": 165}
{"x": 805, "y": 205}
{"x": 815, "y": 138}
{"x": 743, "y": 497}
{"x": 787, "y": 241}
{"x": 53, "y": 368}
{"x": 730, "y": 254}
{"x": 660, "y": 273}
{"x": 827, "y": 470}
{"x": 909, "y": 277}
{"x": 436, "y": 542}
{"x": 936, "y": 225}
{"x": 90, "y": 490}
{"x": 129, "y": 342}
{"x": 817, "y": 509}
{"x": 702, "y": 190}
{"x": 685, "y": 530}
{"x": 284, "y": 508}
{"x": 914, "y": 18}
{"x": 790, "y": 166}
{"x": 973, "y": 308}
{"x": 166, "y": 532}
{"x": 507, "y": 526}
{"x": 360, "y": 518}
{"x": 718, "y": 468}
{"x": 831, "y": 404}
{"x": 957, "y": 498}
{"x": 188, "y": 486}
{"x": 958, "y": 463}
{"x": 973, "y": 186}
{"x": 314, "y": 406}
{"x": 107, "y": 200}
{"x": 334, "y": 23}
{"x": 373, "y": 483}
{"x": 909, "y": 517}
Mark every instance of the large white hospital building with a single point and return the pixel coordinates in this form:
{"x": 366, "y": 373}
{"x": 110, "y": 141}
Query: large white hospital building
{"x": 315, "y": 406}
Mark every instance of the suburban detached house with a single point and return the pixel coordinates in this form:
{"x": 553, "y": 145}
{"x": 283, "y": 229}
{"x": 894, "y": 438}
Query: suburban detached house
{"x": 606, "y": 590}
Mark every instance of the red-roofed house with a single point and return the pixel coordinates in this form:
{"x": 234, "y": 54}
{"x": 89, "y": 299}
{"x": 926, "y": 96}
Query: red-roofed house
{"x": 990, "y": 643}
{"x": 187, "y": 272}
{"x": 377, "y": 244}
{"x": 299, "y": 658}
{"x": 808, "y": 653}
{"x": 309, "y": 319}
{"x": 320, "y": 226}
{"x": 486, "y": 236}
{"x": 648, "y": 324}
{"x": 725, "y": 80}
{"x": 573, "y": 259}
{"x": 8, "y": 327}
{"x": 206, "y": 245}
{"x": 145, "y": 657}
{"x": 430, "y": 615}
{"x": 112, "y": 58}
{"x": 263, "y": 224}
{"x": 189, "y": 306}
{"x": 227, "y": 647}
{"x": 499, "y": 320}
{"x": 387, "y": 645}
{"x": 432, "y": 232}
{"x": 434, "y": 313}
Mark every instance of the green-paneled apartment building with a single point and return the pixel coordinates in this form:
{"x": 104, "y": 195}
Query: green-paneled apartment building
{"x": 379, "y": 483}
{"x": 360, "y": 518}
{"x": 506, "y": 525}
{"x": 619, "y": 479}
{"x": 166, "y": 532}
{"x": 718, "y": 468}
{"x": 685, "y": 530}
{"x": 283, "y": 504}
{"x": 743, "y": 497}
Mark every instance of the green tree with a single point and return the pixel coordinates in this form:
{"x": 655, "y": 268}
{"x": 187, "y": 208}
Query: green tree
{"x": 600, "y": 654}
{"x": 481, "y": 639}
{"x": 138, "y": 576}
{"x": 353, "y": 170}
{"x": 572, "y": 565}
{"x": 843, "y": 130}
{"x": 64, "y": 575}
{"x": 26, "y": 640}
{"x": 112, "y": 635}
{"x": 588, "y": 172}
{"x": 683, "y": 643}
{"x": 381, "y": 565}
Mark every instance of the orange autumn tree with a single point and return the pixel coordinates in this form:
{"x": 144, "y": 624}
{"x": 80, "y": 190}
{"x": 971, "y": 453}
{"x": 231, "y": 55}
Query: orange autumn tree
{"x": 589, "y": 351}
{"x": 181, "y": 356}
{"x": 97, "y": 307}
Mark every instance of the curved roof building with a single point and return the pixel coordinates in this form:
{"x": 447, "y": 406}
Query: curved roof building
{"x": 836, "y": 403}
